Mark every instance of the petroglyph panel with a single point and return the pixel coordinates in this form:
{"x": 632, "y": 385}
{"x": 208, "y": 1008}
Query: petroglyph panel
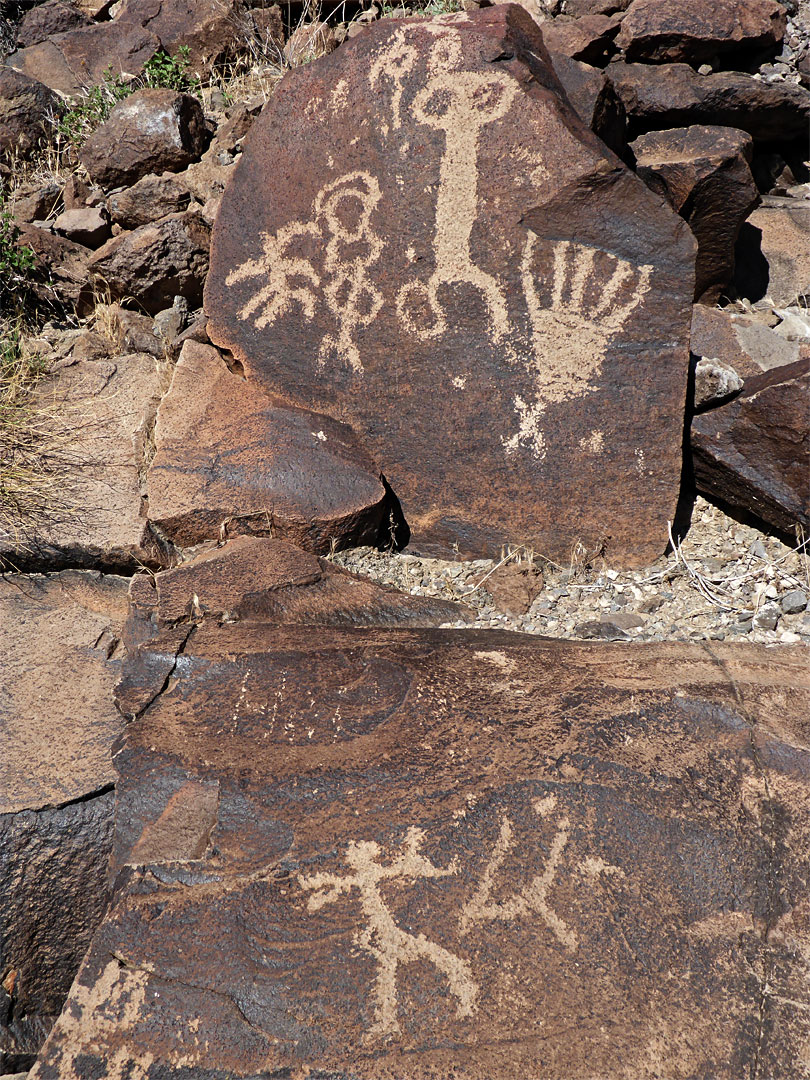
{"x": 466, "y": 277}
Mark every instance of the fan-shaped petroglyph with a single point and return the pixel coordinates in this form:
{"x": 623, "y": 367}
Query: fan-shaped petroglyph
{"x": 534, "y": 897}
{"x": 459, "y": 104}
{"x": 341, "y": 227}
{"x": 593, "y": 294}
{"x": 388, "y": 943}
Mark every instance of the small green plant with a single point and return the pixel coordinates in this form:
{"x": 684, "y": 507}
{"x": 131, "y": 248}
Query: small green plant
{"x": 164, "y": 72}
{"x": 17, "y": 264}
{"x": 79, "y": 121}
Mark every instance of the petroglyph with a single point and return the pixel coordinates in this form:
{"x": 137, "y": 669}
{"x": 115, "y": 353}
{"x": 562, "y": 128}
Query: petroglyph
{"x": 459, "y": 104}
{"x": 534, "y": 897}
{"x": 593, "y": 294}
{"x": 388, "y": 943}
{"x": 342, "y": 224}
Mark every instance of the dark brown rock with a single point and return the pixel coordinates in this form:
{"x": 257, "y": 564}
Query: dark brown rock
{"x": 488, "y": 331}
{"x": 46, "y": 20}
{"x": 156, "y": 262}
{"x": 589, "y": 38}
{"x": 268, "y": 24}
{"x": 151, "y": 198}
{"x": 151, "y": 131}
{"x": 25, "y": 108}
{"x": 578, "y": 8}
{"x": 87, "y": 226}
{"x": 212, "y": 30}
{"x": 781, "y": 235}
{"x": 674, "y": 95}
{"x": 59, "y": 639}
{"x": 753, "y": 454}
{"x": 61, "y": 267}
{"x": 428, "y": 853}
{"x": 658, "y": 31}
{"x": 231, "y": 460}
{"x": 36, "y": 201}
{"x": 742, "y": 341}
{"x": 704, "y": 173}
{"x": 309, "y": 41}
{"x": 594, "y": 99}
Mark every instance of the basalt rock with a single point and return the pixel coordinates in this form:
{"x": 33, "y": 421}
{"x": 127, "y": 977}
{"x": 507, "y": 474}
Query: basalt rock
{"x": 25, "y": 106}
{"x": 424, "y": 853}
{"x": 743, "y": 341}
{"x": 780, "y": 235}
{"x": 594, "y": 99}
{"x": 589, "y": 38}
{"x": 151, "y": 131}
{"x": 153, "y": 197}
{"x": 753, "y": 454}
{"x": 60, "y": 268}
{"x": 232, "y": 460}
{"x": 59, "y": 638}
{"x": 46, "y": 20}
{"x": 705, "y": 174}
{"x": 657, "y": 31}
{"x": 508, "y": 342}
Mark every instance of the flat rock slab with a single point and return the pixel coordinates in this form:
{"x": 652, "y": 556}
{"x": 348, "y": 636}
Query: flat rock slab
{"x": 754, "y": 453}
{"x": 747, "y": 343}
{"x": 435, "y": 853}
{"x": 230, "y": 459}
{"x": 459, "y": 270}
{"x": 784, "y": 241}
{"x": 59, "y": 642}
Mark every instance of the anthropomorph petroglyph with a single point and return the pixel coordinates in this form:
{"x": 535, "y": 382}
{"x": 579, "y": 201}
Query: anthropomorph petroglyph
{"x": 388, "y": 943}
{"x": 534, "y": 897}
{"x": 341, "y": 227}
{"x": 593, "y": 294}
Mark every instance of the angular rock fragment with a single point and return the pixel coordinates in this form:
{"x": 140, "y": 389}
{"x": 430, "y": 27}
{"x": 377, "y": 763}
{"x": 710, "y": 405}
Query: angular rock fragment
{"x": 754, "y": 453}
{"x": 61, "y": 268}
{"x": 96, "y": 418}
{"x": 658, "y": 31}
{"x": 674, "y": 95}
{"x": 232, "y": 460}
{"x": 46, "y": 20}
{"x": 151, "y": 131}
{"x": 704, "y": 173}
{"x": 59, "y": 639}
{"x": 487, "y": 322}
{"x": 25, "y": 108}
{"x": 783, "y": 238}
{"x": 595, "y": 101}
{"x": 153, "y": 197}
{"x": 87, "y": 226}
{"x": 156, "y": 262}
{"x": 420, "y": 853}
{"x": 589, "y": 38}
{"x": 744, "y": 342}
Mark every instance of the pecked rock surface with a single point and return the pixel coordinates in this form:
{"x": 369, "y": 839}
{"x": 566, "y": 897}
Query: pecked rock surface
{"x": 420, "y": 853}
{"x": 60, "y": 644}
{"x": 508, "y": 340}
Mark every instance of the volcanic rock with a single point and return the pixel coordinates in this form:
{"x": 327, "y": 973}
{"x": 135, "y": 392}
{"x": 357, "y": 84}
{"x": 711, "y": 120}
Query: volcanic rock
{"x": 309, "y": 41}
{"x": 156, "y": 262}
{"x": 783, "y": 238}
{"x": 753, "y": 454}
{"x": 212, "y": 30}
{"x": 153, "y": 197}
{"x": 87, "y": 226}
{"x": 232, "y": 460}
{"x": 25, "y": 107}
{"x": 61, "y": 267}
{"x": 46, "y": 20}
{"x": 715, "y": 381}
{"x": 578, "y": 8}
{"x": 488, "y": 329}
{"x": 589, "y": 39}
{"x": 404, "y": 853}
{"x": 151, "y": 131}
{"x": 742, "y": 341}
{"x": 657, "y": 31}
{"x": 704, "y": 173}
{"x": 594, "y": 99}
{"x": 98, "y": 415}
{"x": 673, "y": 95}
{"x": 59, "y": 639}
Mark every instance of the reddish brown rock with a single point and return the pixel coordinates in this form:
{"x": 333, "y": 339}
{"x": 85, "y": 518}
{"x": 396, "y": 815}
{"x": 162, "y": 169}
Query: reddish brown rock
{"x": 153, "y": 197}
{"x": 704, "y": 173}
{"x": 577, "y": 8}
{"x": 213, "y": 31}
{"x": 753, "y": 455}
{"x": 674, "y": 95}
{"x": 61, "y": 268}
{"x": 85, "y": 225}
{"x": 35, "y": 201}
{"x": 594, "y": 100}
{"x": 743, "y": 341}
{"x": 421, "y": 854}
{"x": 488, "y": 331}
{"x": 589, "y": 39}
{"x": 59, "y": 639}
{"x": 657, "y": 31}
{"x": 782, "y": 235}
{"x": 26, "y": 106}
{"x": 151, "y": 131}
{"x": 46, "y": 20}
{"x": 309, "y": 41}
{"x": 231, "y": 460}
{"x": 156, "y": 262}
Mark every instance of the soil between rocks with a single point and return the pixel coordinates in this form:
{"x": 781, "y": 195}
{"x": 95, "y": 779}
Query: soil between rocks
{"x": 724, "y": 580}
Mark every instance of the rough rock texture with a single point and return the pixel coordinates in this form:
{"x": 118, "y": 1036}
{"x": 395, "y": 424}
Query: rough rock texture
{"x": 589, "y": 38}
{"x": 61, "y": 267}
{"x": 750, "y": 346}
{"x": 232, "y": 460}
{"x": 705, "y": 174}
{"x": 211, "y": 29}
{"x": 151, "y": 198}
{"x": 46, "y": 20}
{"x": 694, "y": 31}
{"x": 496, "y": 335}
{"x": 258, "y": 579}
{"x": 25, "y": 105}
{"x": 59, "y": 639}
{"x": 783, "y": 237}
{"x": 86, "y": 225}
{"x": 594, "y": 100}
{"x": 715, "y": 382}
{"x": 754, "y": 454}
{"x": 151, "y": 131}
{"x": 155, "y": 263}
{"x": 100, "y": 414}
{"x": 675, "y": 96}
{"x": 420, "y": 854}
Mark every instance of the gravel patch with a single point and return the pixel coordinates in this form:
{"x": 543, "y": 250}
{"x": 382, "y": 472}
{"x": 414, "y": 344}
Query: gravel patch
{"x": 724, "y": 581}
